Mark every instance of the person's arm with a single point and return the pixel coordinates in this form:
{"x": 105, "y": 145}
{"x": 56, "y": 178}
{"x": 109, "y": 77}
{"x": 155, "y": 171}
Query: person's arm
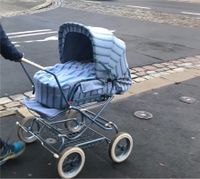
{"x": 7, "y": 49}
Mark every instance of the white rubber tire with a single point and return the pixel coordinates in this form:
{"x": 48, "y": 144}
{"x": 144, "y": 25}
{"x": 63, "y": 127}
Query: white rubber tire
{"x": 113, "y": 145}
{"x": 22, "y": 134}
{"x": 66, "y": 152}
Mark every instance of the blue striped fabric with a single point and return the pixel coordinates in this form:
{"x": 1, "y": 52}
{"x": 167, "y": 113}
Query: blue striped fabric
{"x": 109, "y": 70}
{"x": 69, "y": 74}
{"x": 107, "y": 50}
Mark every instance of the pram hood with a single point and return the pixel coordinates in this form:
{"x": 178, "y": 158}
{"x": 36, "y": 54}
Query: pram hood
{"x": 93, "y": 66}
{"x": 98, "y": 45}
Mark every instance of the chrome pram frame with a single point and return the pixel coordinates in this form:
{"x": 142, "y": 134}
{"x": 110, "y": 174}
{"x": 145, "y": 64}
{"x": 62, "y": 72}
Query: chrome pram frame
{"x": 72, "y": 139}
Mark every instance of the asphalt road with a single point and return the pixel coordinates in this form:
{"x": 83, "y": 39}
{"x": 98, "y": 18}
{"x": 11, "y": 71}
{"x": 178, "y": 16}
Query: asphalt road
{"x": 167, "y": 146}
{"x": 147, "y": 42}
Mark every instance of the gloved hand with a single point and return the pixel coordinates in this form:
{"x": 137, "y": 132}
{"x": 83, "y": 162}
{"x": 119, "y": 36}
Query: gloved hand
{"x": 18, "y": 60}
{"x": 19, "y": 57}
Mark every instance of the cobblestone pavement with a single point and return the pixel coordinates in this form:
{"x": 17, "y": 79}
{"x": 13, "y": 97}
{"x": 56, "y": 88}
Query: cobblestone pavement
{"x": 190, "y": 1}
{"x": 48, "y": 5}
{"x": 9, "y": 105}
{"x": 124, "y": 11}
{"x": 139, "y": 14}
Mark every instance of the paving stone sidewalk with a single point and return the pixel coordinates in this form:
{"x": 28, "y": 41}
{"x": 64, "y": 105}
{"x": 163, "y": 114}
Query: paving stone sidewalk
{"x": 9, "y": 105}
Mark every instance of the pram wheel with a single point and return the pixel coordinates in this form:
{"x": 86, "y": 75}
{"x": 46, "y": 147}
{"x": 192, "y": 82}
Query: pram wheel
{"x": 76, "y": 121}
{"x": 71, "y": 162}
{"x": 121, "y": 146}
{"x": 22, "y": 134}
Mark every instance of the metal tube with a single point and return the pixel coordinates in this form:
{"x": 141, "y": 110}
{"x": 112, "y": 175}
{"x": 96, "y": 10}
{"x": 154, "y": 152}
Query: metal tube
{"x": 32, "y": 63}
{"x": 91, "y": 141}
{"x": 43, "y": 143}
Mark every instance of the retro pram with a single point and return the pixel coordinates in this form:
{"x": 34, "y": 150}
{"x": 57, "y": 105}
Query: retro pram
{"x": 93, "y": 69}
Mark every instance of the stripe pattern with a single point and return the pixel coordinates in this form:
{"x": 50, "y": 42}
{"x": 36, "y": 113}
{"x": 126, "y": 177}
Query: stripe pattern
{"x": 109, "y": 53}
{"x": 69, "y": 74}
{"x": 109, "y": 71}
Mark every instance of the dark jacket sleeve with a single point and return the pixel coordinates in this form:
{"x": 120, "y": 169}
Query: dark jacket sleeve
{"x": 7, "y": 49}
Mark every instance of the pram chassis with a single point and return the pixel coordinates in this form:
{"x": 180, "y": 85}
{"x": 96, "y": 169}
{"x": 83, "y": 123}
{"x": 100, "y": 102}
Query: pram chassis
{"x": 70, "y": 140}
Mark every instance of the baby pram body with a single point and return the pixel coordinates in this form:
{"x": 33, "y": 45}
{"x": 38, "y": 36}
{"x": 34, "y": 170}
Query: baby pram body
{"x": 91, "y": 58}
{"x": 93, "y": 68}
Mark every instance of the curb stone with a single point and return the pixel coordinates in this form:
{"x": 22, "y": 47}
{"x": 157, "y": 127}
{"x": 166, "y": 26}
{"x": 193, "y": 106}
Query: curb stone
{"x": 5, "y": 100}
{"x": 41, "y": 6}
{"x": 144, "y": 79}
{"x": 8, "y": 112}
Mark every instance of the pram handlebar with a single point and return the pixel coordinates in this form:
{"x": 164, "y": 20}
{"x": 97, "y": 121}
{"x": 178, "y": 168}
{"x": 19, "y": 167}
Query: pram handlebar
{"x": 32, "y": 63}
